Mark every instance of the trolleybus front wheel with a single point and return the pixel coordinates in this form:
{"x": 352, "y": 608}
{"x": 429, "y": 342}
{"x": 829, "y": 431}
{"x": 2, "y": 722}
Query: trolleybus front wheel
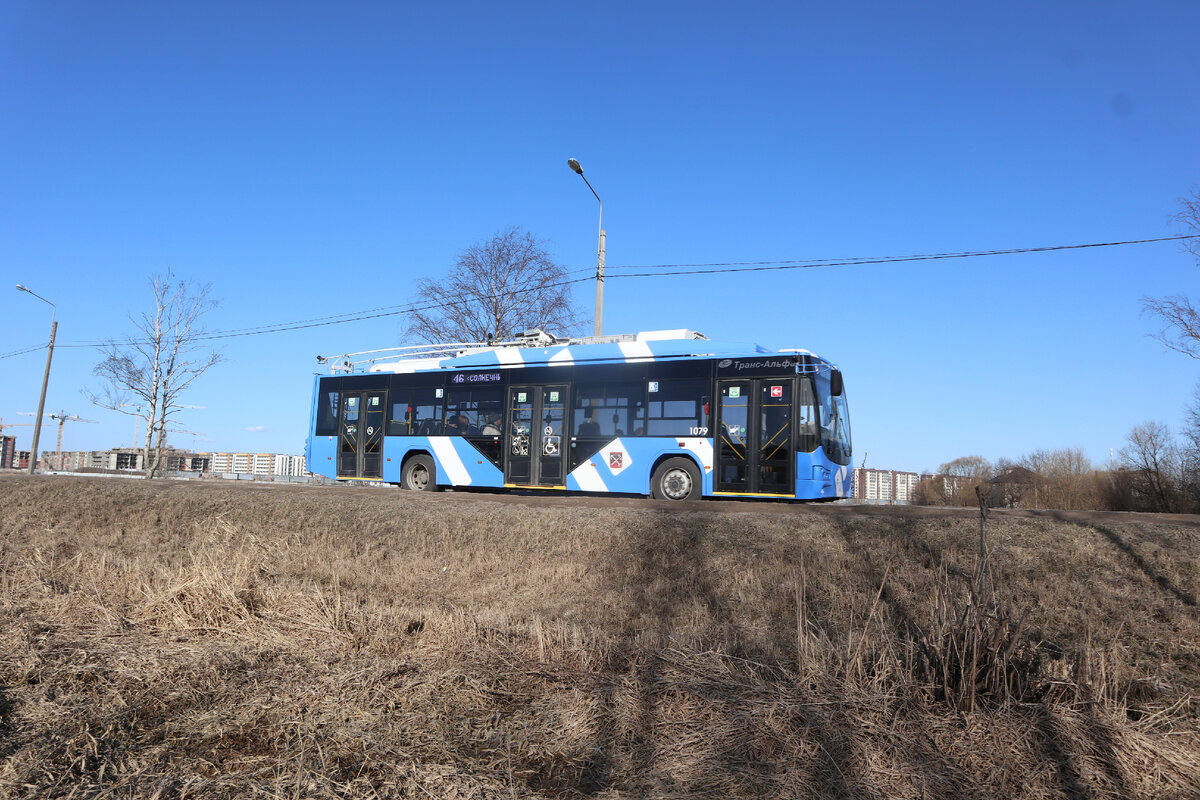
{"x": 418, "y": 474}
{"x": 676, "y": 479}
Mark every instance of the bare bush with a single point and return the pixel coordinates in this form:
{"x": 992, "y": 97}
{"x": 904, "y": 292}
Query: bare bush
{"x": 962, "y": 476}
{"x": 1061, "y": 479}
{"x": 1155, "y": 471}
{"x": 930, "y": 491}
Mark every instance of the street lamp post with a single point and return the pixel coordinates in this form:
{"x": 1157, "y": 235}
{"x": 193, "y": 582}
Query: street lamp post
{"x": 37, "y": 426}
{"x": 573, "y": 164}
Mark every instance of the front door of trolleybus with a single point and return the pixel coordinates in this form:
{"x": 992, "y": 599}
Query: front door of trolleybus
{"x": 534, "y": 436}
{"x": 754, "y": 436}
{"x": 360, "y": 435}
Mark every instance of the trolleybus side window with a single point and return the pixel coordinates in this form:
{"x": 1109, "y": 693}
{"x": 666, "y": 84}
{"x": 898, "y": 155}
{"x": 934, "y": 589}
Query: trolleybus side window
{"x": 609, "y": 410}
{"x": 603, "y": 412}
{"x": 678, "y": 408}
{"x": 806, "y": 419}
{"x": 416, "y": 411}
{"x": 473, "y": 409}
{"x": 327, "y": 408}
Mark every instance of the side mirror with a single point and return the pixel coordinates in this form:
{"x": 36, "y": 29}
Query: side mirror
{"x": 836, "y": 387}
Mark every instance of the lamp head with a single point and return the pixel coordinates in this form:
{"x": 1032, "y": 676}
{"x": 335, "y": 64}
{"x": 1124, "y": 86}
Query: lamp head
{"x": 21, "y": 288}
{"x": 573, "y": 164}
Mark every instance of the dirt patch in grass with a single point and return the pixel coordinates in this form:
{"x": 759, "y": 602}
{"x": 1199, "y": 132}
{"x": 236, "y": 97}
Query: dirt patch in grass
{"x": 194, "y": 639}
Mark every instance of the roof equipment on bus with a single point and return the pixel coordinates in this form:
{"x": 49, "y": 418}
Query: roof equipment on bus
{"x": 428, "y": 356}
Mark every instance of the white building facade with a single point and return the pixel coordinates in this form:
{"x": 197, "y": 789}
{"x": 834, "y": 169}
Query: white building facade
{"x": 885, "y": 486}
{"x": 258, "y": 464}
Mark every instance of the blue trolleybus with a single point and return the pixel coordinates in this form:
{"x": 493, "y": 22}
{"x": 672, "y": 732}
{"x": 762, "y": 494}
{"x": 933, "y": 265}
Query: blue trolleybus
{"x": 671, "y": 414}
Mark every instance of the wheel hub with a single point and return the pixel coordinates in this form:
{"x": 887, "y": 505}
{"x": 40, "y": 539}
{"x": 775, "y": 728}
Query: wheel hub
{"x": 420, "y": 477}
{"x": 677, "y": 484}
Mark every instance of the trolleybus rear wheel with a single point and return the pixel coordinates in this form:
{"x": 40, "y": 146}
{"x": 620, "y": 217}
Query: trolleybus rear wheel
{"x": 418, "y": 474}
{"x": 676, "y": 479}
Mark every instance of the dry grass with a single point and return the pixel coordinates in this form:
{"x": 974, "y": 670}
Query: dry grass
{"x": 209, "y": 640}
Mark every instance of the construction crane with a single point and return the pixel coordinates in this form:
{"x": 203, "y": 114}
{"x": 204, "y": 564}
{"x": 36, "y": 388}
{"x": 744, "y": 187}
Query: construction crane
{"x": 4, "y": 425}
{"x": 193, "y": 434}
{"x": 62, "y": 417}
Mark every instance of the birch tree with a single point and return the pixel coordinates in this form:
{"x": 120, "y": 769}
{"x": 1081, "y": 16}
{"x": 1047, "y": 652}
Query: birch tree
{"x": 152, "y": 370}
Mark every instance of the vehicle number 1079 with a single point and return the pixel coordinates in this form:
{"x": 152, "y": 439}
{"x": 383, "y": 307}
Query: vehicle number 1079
{"x": 699, "y": 431}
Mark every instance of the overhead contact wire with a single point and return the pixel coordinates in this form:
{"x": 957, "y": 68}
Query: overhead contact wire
{"x": 713, "y": 268}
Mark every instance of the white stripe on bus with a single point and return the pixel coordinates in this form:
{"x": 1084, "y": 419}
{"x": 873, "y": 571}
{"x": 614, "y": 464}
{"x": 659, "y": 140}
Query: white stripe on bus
{"x": 509, "y": 356}
{"x": 636, "y": 351}
{"x": 588, "y": 476}
{"x": 450, "y": 461}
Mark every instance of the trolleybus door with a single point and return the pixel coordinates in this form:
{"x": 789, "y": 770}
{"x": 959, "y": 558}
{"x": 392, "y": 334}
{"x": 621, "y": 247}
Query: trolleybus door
{"x": 360, "y": 435}
{"x": 534, "y": 436}
{"x": 754, "y": 436}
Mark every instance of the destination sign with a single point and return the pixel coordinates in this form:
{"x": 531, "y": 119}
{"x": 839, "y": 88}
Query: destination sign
{"x": 476, "y": 377}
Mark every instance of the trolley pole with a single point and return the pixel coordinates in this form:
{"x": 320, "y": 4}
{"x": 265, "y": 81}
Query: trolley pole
{"x": 37, "y": 427}
{"x": 574, "y": 165}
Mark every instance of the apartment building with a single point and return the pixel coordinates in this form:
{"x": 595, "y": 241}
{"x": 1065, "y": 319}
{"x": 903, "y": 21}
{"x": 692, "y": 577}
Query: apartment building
{"x": 289, "y": 465}
{"x": 885, "y": 485}
{"x": 121, "y": 459}
{"x": 264, "y": 464}
{"x": 10, "y": 456}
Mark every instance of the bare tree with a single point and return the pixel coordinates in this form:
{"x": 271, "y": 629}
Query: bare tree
{"x": 1152, "y": 460}
{"x": 499, "y": 288}
{"x": 150, "y": 372}
{"x": 1062, "y": 479}
{"x": 930, "y": 491}
{"x": 1179, "y": 318}
{"x": 1191, "y": 425}
{"x": 962, "y": 475}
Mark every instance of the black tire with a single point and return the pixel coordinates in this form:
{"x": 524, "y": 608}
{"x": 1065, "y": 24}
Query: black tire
{"x": 419, "y": 474}
{"x": 676, "y": 479}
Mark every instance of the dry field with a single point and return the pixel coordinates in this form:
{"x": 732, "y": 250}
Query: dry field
{"x": 175, "y": 639}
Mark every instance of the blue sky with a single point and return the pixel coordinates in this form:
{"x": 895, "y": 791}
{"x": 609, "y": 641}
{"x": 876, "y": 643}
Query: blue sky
{"x": 311, "y": 160}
